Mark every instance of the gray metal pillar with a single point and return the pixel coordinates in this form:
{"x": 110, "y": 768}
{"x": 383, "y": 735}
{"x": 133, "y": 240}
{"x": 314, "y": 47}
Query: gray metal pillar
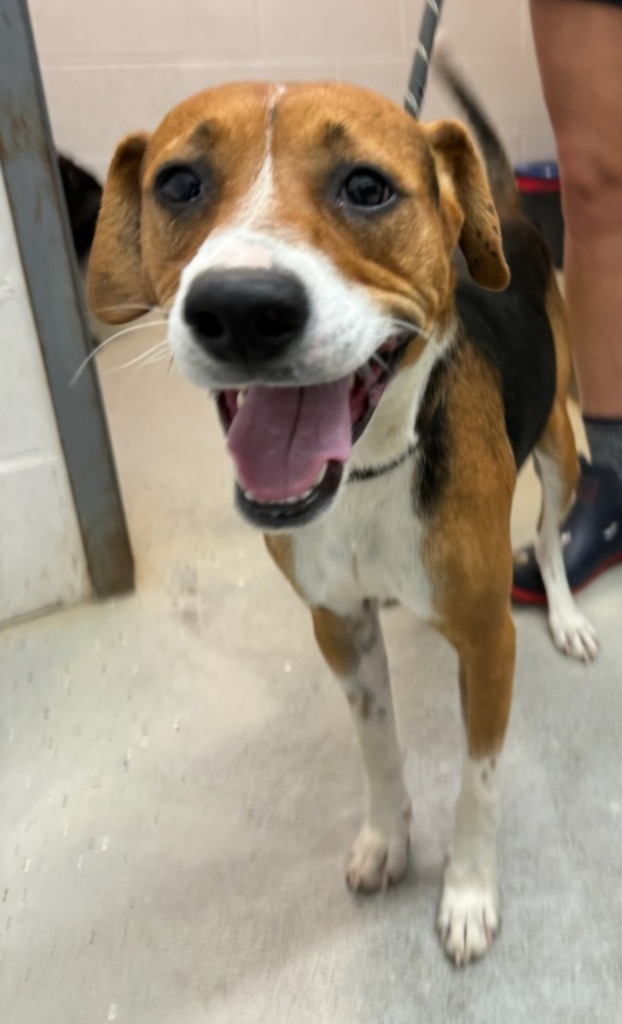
{"x": 34, "y": 189}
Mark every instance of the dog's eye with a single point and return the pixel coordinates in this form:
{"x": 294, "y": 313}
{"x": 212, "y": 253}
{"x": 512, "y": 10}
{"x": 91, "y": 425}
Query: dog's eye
{"x": 178, "y": 185}
{"x": 367, "y": 188}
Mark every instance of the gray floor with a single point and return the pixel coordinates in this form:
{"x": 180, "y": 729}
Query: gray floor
{"x": 179, "y": 786}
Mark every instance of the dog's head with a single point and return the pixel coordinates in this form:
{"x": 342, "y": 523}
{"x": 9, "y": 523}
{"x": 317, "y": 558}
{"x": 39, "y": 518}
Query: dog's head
{"x": 302, "y": 237}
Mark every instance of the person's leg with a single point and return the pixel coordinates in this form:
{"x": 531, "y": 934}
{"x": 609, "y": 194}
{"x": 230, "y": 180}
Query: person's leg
{"x": 579, "y": 48}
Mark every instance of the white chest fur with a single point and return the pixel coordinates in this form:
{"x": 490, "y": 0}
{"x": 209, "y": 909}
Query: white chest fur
{"x": 369, "y": 545}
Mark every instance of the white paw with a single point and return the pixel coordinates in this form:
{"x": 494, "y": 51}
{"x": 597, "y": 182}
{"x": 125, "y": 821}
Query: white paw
{"x": 378, "y": 859}
{"x": 573, "y": 634}
{"x": 468, "y": 921}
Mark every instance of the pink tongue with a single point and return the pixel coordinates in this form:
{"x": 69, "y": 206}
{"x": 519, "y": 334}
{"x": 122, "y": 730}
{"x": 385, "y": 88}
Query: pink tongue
{"x": 282, "y": 437}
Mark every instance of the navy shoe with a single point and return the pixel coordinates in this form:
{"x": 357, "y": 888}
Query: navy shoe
{"x": 591, "y": 536}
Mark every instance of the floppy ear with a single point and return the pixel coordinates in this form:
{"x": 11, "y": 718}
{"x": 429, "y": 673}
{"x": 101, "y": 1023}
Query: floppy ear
{"x": 117, "y": 289}
{"x": 480, "y": 235}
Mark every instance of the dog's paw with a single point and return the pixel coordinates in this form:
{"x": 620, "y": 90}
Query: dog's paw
{"x": 378, "y": 859}
{"x": 573, "y": 634}
{"x": 468, "y": 921}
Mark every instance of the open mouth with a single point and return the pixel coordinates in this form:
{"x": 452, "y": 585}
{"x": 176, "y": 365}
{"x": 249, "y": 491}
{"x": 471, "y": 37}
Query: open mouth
{"x": 290, "y": 444}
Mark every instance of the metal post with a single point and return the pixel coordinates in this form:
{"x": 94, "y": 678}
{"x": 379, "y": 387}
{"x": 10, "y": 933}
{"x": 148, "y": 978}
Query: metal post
{"x": 33, "y": 185}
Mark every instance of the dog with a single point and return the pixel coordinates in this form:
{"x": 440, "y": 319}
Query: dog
{"x": 83, "y": 194}
{"x": 376, "y": 408}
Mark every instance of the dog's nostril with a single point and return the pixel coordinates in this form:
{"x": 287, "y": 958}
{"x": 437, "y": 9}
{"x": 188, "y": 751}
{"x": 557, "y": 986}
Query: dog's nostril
{"x": 275, "y": 321}
{"x": 210, "y": 324}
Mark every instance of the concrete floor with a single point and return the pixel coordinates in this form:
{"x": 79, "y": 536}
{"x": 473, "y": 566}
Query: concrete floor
{"x": 179, "y": 786}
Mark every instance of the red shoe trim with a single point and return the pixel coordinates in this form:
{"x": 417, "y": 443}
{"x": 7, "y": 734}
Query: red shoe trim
{"x": 521, "y": 596}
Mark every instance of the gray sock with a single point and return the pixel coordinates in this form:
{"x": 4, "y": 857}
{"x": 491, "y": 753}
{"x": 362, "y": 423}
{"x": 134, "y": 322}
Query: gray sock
{"x": 605, "y": 440}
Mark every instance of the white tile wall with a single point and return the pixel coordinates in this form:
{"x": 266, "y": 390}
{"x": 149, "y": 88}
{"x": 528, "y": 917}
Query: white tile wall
{"x": 41, "y": 556}
{"x": 118, "y": 66}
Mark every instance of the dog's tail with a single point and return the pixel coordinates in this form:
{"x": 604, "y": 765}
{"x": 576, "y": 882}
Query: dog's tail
{"x": 498, "y": 166}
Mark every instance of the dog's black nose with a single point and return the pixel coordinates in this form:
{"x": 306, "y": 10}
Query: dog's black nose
{"x": 246, "y": 315}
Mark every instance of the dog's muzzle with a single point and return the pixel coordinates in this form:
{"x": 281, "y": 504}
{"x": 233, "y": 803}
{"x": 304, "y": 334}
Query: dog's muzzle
{"x": 289, "y": 440}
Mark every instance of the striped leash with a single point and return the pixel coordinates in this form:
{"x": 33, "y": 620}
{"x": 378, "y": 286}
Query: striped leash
{"x": 419, "y": 70}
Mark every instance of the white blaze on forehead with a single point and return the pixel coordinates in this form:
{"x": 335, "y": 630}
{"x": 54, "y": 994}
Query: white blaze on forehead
{"x": 256, "y": 204}
{"x": 228, "y": 249}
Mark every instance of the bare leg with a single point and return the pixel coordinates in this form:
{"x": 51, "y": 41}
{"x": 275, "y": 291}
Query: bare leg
{"x": 579, "y": 47}
{"x": 354, "y": 649}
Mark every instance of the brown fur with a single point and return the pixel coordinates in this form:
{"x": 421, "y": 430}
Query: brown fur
{"x": 332, "y": 633}
{"x": 468, "y": 553}
{"x": 281, "y": 550}
{"x": 558, "y": 439}
{"x": 480, "y": 235}
{"x": 558, "y": 318}
{"x": 338, "y": 646}
{"x": 118, "y": 291}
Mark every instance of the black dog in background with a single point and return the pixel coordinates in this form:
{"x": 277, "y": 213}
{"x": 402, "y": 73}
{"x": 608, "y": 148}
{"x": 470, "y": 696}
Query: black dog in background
{"x": 83, "y": 195}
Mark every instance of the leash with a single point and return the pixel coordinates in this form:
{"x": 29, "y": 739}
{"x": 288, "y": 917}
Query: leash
{"x": 419, "y": 70}
{"x": 412, "y": 103}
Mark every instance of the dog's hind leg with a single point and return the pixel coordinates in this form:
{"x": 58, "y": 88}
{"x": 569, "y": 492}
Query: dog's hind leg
{"x": 556, "y": 462}
{"x": 354, "y": 648}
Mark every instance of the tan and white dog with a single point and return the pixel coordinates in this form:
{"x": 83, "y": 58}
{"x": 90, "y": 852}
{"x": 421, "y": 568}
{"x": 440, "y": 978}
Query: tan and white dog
{"x": 376, "y": 409}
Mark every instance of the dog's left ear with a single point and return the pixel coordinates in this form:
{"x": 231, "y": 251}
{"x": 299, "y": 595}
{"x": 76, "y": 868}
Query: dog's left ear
{"x": 463, "y": 182}
{"x": 117, "y": 288}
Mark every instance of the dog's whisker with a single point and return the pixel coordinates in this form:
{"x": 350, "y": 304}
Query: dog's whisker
{"x": 365, "y": 370}
{"x": 128, "y": 330}
{"x": 133, "y": 305}
{"x": 152, "y": 355}
{"x": 405, "y": 323}
{"x": 157, "y": 358}
{"x": 382, "y": 363}
{"x": 113, "y": 337}
{"x": 407, "y": 326}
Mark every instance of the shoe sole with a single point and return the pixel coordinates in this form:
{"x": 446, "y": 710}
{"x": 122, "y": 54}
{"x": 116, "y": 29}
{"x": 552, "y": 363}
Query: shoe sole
{"x": 529, "y": 597}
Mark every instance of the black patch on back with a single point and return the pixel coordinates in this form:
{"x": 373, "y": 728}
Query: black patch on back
{"x": 512, "y": 330}
{"x": 431, "y": 468}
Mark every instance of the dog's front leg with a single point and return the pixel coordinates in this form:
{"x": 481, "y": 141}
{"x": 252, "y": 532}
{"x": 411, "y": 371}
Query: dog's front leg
{"x": 354, "y": 649}
{"x": 469, "y": 912}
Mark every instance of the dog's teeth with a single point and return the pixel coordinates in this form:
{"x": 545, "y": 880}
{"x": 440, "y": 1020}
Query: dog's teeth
{"x": 279, "y": 501}
{"x": 321, "y": 475}
{"x": 241, "y": 396}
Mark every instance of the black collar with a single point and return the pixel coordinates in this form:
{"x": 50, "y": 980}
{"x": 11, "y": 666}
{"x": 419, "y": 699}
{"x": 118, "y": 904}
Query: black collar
{"x": 429, "y": 419}
{"x": 371, "y": 472}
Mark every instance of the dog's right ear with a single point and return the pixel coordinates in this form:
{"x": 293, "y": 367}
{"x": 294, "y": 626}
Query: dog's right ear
{"x": 117, "y": 288}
